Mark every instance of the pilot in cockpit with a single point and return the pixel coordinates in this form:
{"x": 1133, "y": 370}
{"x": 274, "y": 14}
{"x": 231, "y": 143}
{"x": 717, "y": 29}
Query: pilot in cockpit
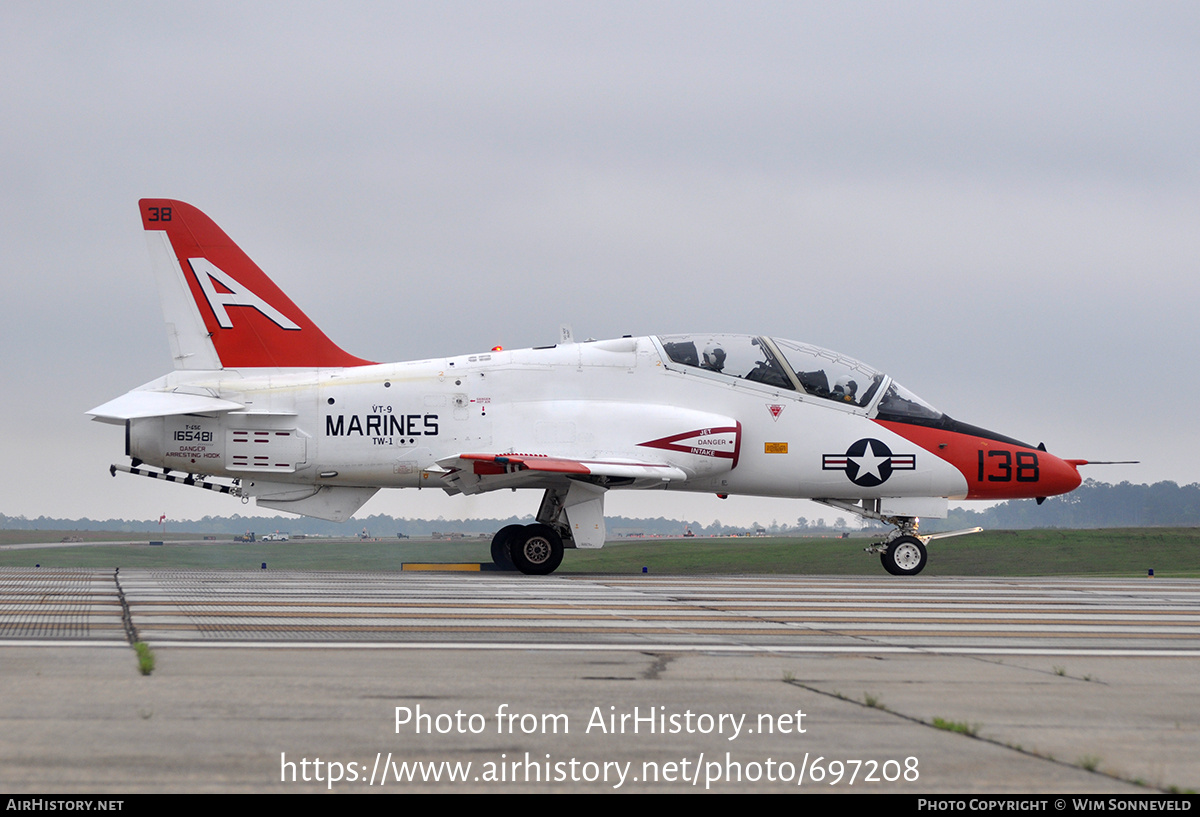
{"x": 845, "y": 389}
{"x": 714, "y": 358}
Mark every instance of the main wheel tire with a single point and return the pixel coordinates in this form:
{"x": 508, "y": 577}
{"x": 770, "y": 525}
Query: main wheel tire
{"x": 537, "y": 550}
{"x": 502, "y": 544}
{"x": 905, "y": 556}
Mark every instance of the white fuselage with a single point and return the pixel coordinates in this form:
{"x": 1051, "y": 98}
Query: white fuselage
{"x": 388, "y": 425}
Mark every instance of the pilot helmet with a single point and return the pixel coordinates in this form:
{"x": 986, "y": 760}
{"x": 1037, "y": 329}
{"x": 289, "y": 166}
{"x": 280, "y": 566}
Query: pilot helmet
{"x": 845, "y": 387}
{"x": 714, "y": 357}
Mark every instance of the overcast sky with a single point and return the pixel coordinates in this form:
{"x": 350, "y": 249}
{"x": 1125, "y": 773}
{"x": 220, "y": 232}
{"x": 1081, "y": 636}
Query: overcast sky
{"x": 997, "y": 203}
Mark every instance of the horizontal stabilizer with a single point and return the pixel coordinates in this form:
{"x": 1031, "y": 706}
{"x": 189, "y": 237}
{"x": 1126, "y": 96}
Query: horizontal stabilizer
{"x": 137, "y": 404}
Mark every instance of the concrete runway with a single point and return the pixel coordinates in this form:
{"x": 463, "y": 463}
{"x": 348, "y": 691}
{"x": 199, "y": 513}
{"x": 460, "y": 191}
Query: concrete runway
{"x": 1039, "y": 686}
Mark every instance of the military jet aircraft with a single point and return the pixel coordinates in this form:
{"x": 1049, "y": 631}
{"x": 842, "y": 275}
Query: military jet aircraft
{"x": 262, "y": 404}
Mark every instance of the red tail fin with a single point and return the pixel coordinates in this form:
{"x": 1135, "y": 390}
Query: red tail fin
{"x": 237, "y": 314}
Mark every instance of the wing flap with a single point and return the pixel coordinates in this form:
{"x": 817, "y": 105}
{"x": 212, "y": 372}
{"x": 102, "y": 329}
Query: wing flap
{"x": 488, "y": 464}
{"x": 477, "y": 472}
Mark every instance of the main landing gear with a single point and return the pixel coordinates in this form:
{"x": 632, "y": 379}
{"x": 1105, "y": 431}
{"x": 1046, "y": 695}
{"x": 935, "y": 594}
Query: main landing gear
{"x": 535, "y": 550}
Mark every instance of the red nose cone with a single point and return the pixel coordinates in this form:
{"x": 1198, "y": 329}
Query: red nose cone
{"x": 1059, "y": 476}
{"x": 994, "y": 467}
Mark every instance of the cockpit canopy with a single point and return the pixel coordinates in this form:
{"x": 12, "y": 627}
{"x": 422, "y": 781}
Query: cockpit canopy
{"x": 792, "y": 366}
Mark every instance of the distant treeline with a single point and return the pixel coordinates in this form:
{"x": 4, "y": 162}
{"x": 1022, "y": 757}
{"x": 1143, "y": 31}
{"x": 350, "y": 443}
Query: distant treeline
{"x": 1092, "y": 505}
{"x": 376, "y": 525}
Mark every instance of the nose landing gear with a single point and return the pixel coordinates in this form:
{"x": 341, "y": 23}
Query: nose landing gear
{"x": 902, "y": 552}
{"x": 904, "y": 556}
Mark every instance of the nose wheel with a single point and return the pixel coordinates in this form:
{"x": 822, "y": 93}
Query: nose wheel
{"x": 904, "y": 556}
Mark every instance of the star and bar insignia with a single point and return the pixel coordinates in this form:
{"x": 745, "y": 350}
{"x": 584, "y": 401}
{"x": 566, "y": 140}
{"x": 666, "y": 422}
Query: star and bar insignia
{"x": 868, "y": 462}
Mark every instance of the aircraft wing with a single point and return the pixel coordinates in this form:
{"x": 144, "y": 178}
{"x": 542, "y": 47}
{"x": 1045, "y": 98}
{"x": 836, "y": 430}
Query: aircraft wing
{"x": 477, "y": 473}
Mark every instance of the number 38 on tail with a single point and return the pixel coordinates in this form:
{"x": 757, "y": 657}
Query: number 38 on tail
{"x": 262, "y": 404}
